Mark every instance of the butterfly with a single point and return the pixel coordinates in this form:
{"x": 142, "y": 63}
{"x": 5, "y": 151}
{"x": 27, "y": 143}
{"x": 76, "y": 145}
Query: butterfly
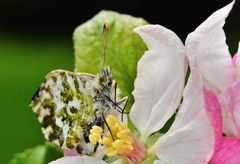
{"x": 68, "y": 104}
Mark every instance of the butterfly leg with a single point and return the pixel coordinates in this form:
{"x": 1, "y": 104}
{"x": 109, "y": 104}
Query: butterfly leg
{"x": 104, "y": 120}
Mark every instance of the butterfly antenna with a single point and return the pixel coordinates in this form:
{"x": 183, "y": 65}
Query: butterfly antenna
{"x": 104, "y": 42}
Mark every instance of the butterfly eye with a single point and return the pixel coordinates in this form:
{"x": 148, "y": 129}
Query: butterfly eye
{"x": 109, "y": 83}
{"x": 101, "y": 80}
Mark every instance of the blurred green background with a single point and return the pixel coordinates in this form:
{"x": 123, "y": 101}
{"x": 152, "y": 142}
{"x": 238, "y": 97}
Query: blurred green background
{"x": 36, "y": 37}
{"x": 23, "y": 64}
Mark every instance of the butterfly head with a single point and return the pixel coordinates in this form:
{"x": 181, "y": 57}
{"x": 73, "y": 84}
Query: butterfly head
{"x": 105, "y": 77}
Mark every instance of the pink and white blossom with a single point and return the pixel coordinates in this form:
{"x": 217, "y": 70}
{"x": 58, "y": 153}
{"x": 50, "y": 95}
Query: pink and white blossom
{"x": 208, "y": 52}
{"x": 159, "y": 89}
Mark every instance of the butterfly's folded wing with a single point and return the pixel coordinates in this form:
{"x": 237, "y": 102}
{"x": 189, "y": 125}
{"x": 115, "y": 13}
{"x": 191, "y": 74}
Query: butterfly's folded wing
{"x": 64, "y": 106}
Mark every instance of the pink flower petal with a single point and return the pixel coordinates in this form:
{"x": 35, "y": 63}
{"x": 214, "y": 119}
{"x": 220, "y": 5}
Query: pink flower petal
{"x": 70, "y": 152}
{"x": 228, "y": 152}
{"x": 231, "y": 102}
{"x": 227, "y": 149}
{"x": 234, "y": 60}
{"x": 214, "y": 113}
{"x": 238, "y": 62}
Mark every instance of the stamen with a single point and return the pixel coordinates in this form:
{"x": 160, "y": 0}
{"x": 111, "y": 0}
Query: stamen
{"x": 124, "y": 144}
{"x": 95, "y": 134}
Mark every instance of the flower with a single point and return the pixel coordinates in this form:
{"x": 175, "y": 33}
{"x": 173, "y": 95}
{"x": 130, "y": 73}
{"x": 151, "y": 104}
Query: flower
{"x": 158, "y": 92}
{"x": 208, "y": 52}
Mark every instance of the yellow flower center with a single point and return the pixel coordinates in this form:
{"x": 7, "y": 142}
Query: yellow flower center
{"x": 95, "y": 134}
{"x": 117, "y": 141}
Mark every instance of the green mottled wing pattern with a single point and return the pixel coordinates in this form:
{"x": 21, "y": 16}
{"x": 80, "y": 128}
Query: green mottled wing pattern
{"x": 64, "y": 106}
{"x": 68, "y": 104}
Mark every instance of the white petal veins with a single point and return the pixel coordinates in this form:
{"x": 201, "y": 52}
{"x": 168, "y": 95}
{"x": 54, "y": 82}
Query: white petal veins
{"x": 78, "y": 160}
{"x": 207, "y": 50}
{"x": 190, "y": 140}
{"x": 160, "y": 79}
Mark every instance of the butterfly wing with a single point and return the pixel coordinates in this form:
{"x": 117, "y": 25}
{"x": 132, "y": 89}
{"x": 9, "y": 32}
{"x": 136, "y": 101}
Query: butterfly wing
{"x": 64, "y": 107}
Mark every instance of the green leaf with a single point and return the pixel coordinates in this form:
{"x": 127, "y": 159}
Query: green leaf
{"x": 124, "y": 48}
{"x": 39, "y": 155}
{"x": 52, "y": 153}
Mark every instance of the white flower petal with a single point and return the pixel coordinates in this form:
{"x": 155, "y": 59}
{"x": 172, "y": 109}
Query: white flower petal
{"x": 78, "y": 160}
{"x": 208, "y": 51}
{"x": 159, "y": 162}
{"x": 119, "y": 161}
{"x": 160, "y": 79}
{"x": 191, "y": 138}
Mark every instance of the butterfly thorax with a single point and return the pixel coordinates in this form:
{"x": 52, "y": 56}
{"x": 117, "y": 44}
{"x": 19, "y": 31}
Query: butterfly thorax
{"x": 103, "y": 90}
